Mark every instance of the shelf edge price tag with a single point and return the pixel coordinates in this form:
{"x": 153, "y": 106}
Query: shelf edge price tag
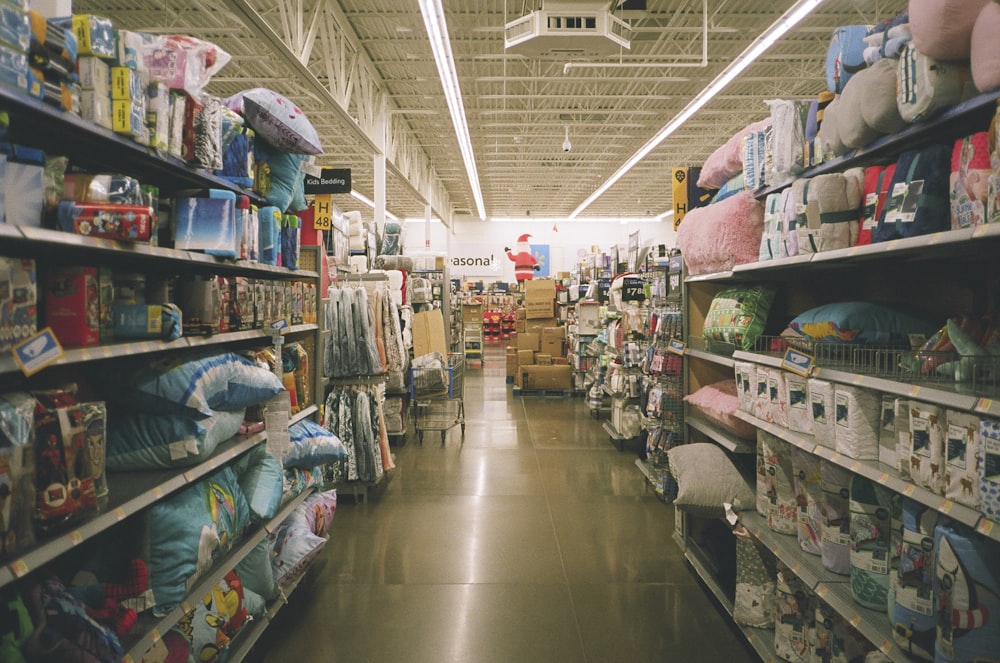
{"x": 35, "y": 353}
{"x": 278, "y": 327}
{"x": 20, "y": 568}
{"x": 677, "y": 347}
{"x": 945, "y": 506}
{"x": 797, "y": 362}
{"x": 75, "y": 537}
{"x": 985, "y": 526}
{"x": 822, "y": 591}
{"x": 914, "y": 390}
{"x": 984, "y": 405}
{"x": 855, "y": 620}
{"x": 119, "y": 514}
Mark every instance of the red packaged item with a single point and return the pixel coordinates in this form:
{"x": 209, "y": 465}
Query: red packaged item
{"x": 72, "y": 305}
{"x": 64, "y": 472}
{"x": 108, "y": 220}
{"x": 878, "y": 179}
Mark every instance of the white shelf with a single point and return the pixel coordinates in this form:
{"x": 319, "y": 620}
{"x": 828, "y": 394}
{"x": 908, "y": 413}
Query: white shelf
{"x": 724, "y": 439}
{"x": 721, "y": 360}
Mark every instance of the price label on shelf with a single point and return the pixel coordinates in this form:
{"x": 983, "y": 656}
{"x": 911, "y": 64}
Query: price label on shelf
{"x": 20, "y": 568}
{"x": 797, "y": 362}
{"x": 985, "y": 527}
{"x": 945, "y": 506}
{"x": 914, "y": 390}
{"x": 855, "y": 620}
{"x": 127, "y": 658}
{"x": 886, "y": 646}
{"x": 154, "y": 635}
{"x": 858, "y": 379}
{"x": 677, "y": 347}
{"x": 883, "y": 478}
{"x": 855, "y": 466}
{"x": 75, "y": 537}
{"x": 822, "y": 591}
{"x": 909, "y": 489}
{"x": 185, "y": 607}
{"x": 157, "y": 492}
{"x": 984, "y": 404}
{"x": 119, "y": 514}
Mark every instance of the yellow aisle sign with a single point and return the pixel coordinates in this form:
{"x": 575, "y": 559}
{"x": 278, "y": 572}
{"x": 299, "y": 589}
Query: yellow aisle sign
{"x": 323, "y": 212}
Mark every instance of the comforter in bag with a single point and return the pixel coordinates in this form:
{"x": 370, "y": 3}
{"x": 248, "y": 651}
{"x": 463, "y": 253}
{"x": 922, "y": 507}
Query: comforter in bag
{"x": 808, "y": 495}
{"x": 782, "y": 511}
{"x": 794, "y": 614}
{"x": 797, "y": 397}
{"x": 823, "y": 410}
{"x": 872, "y": 509}
{"x": 925, "y": 456}
{"x": 777, "y": 395}
{"x": 989, "y": 469}
{"x": 918, "y": 202}
{"x": 878, "y": 181}
{"x": 835, "y": 547}
{"x": 961, "y": 451}
{"x": 970, "y": 174}
{"x": 858, "y": 417}
{"x": 967, "y": 591}
{"x": 753, "y": 604}
{"x": 914, "y": 611}
{"x": 788, "y": 140}
{"x": 926, "y": 85}
{"x": 836, "y": 197}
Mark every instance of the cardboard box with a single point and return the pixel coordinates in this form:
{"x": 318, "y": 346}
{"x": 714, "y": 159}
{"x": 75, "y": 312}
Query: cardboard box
{"x": 72, "y": 305}
{"x": 546, "y": 377}
{"x": 543, "y": 359}
{"x": 539, "y": 289}
{"x": 472, "y": 314}
{"x": 521, "y": 313}
{"x": 560, "y": 361}
{"x": 588, "y": 317}
{"x": 525, "y": 357}
{"x": 538, "y": 324}
{"x": 18, "y": 301}
{"x": 520, "y": 327}
{"x": 511, "y": 362}
{"x": 553, "y": 348}
{"x": 428, "y": 333}
{"x": 553, "y": 333}
{"x": 106, "y": 292}
{"x": 539, "y": 308}
{"x": 527, "y": 341}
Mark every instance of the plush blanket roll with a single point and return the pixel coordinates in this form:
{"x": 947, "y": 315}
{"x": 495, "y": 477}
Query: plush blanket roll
{"x": 985, "y": 49}
{"x": 925, "y": 455}
{"x": 914, "y": 612}
{"x": 851, "y": 126}
{"x": 726, "y": 161}
{"x": 808, "y": 495}
{"x": 835, "y": 546}
{"x": 823, "y": 409}
{"x": 837, "y": 198}
{"x": 858, "y": 418}
{"x": 943, "y": 28}
{"x": 782, "y": 511}
{"x": 879, "y": 107}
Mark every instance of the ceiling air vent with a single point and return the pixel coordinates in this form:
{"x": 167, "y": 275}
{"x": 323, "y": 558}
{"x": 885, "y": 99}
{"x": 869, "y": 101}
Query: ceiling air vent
{"x": 561, "y": 29}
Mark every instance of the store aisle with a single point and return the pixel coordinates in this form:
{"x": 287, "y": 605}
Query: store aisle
{"x": 534, "y": 540}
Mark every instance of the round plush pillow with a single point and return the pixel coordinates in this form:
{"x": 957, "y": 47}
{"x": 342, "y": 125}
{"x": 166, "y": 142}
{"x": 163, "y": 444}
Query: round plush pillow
{"x": 986, "y": 49}
{"x": 943, "y": 28}
{"x": 277, "y": 119}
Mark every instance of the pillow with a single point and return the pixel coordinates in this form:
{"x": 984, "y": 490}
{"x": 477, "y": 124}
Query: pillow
{"x": 738, "y": 315}
{"x": 943, "y": 28}
{"x": 719, "y": 402}
{"x": 296, "y": 480}
{"x": 188, "y": 530}
{"x": 726, "y": 161}
{"x": 859, "y": 323}
{"x": 986, "y": 49}
{"x": 260, "y": 477}
{"x": 284, "y": 186}
{"x": 300, "y": 538}
{"x": 277, "y": 119}
{"x": 734, "y": 185}
{"x": 313, "y": 445}
{"x": 706, "y": 478}
{"x": 194, "y": 386}
{"x": 149, "y": 441}
{"x": 257, "y": 573}
{"x": 717, "y": 237}
{"x": 217, "y": 618}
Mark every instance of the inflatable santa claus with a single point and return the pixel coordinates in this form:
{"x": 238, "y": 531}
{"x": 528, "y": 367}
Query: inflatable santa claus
{"x": 525, "y": 264}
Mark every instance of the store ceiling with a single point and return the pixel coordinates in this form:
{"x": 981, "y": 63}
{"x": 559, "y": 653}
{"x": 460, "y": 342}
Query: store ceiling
{"x": 343, "y": 60}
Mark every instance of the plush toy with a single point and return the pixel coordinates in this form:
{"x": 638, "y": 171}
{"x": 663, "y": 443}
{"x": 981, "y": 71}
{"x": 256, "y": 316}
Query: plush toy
{"x": 525, "y": 264}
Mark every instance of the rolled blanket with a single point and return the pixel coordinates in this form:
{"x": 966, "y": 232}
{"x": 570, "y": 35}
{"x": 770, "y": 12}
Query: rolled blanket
{"x": 808, "y": 495}
{"x": 779, "y": 492}
{"x": 829, "y": 133}
{"x": 836, "y": 197}
{"x": 394, "y": 262}
{"x": 718, "y": 237}
{"x": 854, "y": 132}
{"x": 970, "y": 174}
{"x": 725, "y": 162}
{"x": 943, "y": 28}
{"x": 835, "y": 547}
{"x": 927, "y": 85}
{"x": 878, "y": 107}
{"x": 858, "y": 417}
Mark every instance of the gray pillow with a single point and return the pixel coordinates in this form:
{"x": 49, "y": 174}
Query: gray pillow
{"x": 706, "y": 478}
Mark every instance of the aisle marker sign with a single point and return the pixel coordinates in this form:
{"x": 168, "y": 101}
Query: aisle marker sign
{"x": 323, "y": 212}
{"x": 797, "y": 362}
{"x": 35, "y": 353}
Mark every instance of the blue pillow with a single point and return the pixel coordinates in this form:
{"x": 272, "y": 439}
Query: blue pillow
{"x": 190, "y": 529}
{"x": 299, "y": 479}
{"x": 313, "y": 445}
{"x": 257, "y": 573}
{"x": 149, "y": 441}
{"x": 862, "y": 323}
{"x": 735, "y": 185}
{"x": 194, "y": 387}
{"x": 260, "y": 476}
{"x": 287, "y": 184}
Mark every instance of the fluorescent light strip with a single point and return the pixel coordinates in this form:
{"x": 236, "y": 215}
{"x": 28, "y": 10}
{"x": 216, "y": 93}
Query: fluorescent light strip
{"x": 371, "y": 203}
{"x": 763, "y": 42}
{"x": 437, "y": 31}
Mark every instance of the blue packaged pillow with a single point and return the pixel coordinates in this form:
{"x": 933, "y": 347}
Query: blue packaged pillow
{"x": 313, "y": 445}
{"x": 287, "y": 185}
{"x": 260, "y": 476}
{"x": 735, "y": 185}
{"x": 150, "y": 441}
{"x": 190, "y": 529}
{"x": 860, "y": 323}
{"x": 257, "y": 573}
{"x": 194, "y": 387}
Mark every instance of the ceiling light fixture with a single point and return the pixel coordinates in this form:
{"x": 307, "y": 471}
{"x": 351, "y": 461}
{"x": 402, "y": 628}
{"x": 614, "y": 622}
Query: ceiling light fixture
{"x": 567, "y": 146}
{"x": 371, "y": 203}
{"x": 763, "y": 42}
{"x": 437, "y": 32}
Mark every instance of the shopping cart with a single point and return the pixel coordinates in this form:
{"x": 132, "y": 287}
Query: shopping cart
{"x": 437, "y": 391}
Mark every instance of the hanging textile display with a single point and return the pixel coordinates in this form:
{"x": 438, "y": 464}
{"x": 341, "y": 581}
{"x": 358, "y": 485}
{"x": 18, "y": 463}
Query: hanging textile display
{"x": 354, "y": 413}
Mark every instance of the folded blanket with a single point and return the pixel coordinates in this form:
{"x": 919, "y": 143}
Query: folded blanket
{"x": 778, "y": 489}
{"x": 797, "y": 397}
{"x": 718, "y": 237}
{"x": 913, "y": 612}
{"x": 845, "y": 55}
{"x": 985, "y": 48}
{"x": 836, "y": 198}
{"x": 970, "y": 173}
{"x": 943, "y": 28}
{"x": 725, "y": 162}
{"x": 814, "y": 121}
{"x": 858, "y": 416}
{"x": 806, "y": 224}
{"x": 925, "y": 456}
{"x": 770, "y": 238}
{"x": 394, "y": 262}
{"x": 808, "y": 495}
{"x": 878, "y": 181}
{"x": 918, "y": 203}
{"x": 823, "y": 410}
{"x": 835, "y": 546}
{"x": 962, "y": 448}
{"x": 829, "y": 133}
{"x": 989, "y": 460}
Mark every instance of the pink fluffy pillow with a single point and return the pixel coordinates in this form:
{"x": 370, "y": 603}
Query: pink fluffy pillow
{"x": 727, "y": 161}
{"x": 718, "y": 402}
{"x": 721, "y": 235}
{"x": 943, "y": 28}
{"x": 986, "y": 49}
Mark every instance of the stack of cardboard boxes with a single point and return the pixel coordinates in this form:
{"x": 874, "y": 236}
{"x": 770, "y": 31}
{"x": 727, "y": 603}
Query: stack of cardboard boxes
{"x": 540, "y": 351}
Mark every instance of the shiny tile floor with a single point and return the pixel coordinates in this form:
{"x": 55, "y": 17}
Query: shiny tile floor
{"x": 534, "y": 539}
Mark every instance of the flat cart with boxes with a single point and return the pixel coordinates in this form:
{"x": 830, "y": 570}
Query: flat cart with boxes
{"x": 437, "y": 389}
